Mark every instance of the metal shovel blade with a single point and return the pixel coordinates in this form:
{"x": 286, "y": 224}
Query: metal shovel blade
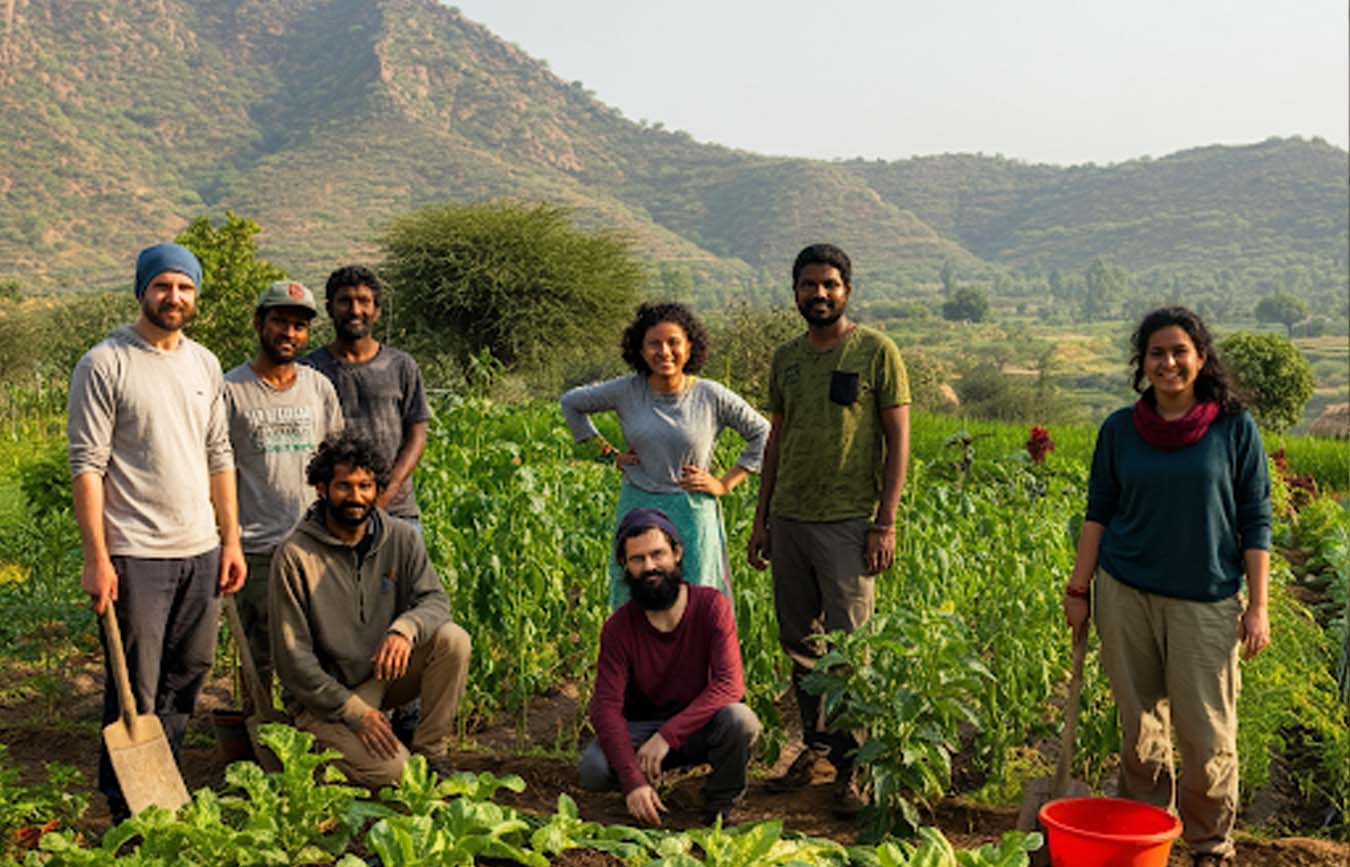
{"x": 139, "y": 751}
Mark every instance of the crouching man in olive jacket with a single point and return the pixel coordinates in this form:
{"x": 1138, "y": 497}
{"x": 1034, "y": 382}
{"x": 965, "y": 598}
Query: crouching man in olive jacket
{"x": 360, "y": 623}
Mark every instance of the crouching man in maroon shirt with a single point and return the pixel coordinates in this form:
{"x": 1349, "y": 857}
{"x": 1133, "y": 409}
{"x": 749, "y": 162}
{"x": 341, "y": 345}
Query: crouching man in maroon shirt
{"x": 668, "y": 686}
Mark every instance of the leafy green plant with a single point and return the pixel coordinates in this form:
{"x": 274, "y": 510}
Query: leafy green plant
{"x": 306, "y": 821}
{"x": 565, "y": 830}
{"x": 421, "y": 792}
{"x": 931, "y": 849}
{"x": 910, "y": 679}
{"x": 454, "y": 837}
{"x": 755, "y": 844}
{"x": 28, "y": 812}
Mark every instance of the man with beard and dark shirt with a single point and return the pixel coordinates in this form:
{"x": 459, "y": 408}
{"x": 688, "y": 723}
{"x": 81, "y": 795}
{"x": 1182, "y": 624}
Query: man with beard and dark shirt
{"x": 360, "y": 623}
{"x": 668, "y": 684}
{"x": 383, "y": 399}
{"x": 833, "y": 470}
{"x": 380, "y": 387}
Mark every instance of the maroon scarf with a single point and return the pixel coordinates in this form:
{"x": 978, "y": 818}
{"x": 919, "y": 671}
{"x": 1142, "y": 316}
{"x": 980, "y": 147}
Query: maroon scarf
{"x": 1177, "y": 433}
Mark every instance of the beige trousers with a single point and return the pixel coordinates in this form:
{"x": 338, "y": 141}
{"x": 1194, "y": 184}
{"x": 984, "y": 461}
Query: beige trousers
{"x": 1173, "y": 665}
{"x": 437, "y": 672}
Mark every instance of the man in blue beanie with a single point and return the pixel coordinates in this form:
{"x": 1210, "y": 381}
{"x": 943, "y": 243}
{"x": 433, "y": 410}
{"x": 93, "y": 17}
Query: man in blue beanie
{"x": 157, "y": 259}
{"x": 154, "y": 487}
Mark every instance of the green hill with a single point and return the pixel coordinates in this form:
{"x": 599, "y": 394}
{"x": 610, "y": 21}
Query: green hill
{"x": 124, "y": 119}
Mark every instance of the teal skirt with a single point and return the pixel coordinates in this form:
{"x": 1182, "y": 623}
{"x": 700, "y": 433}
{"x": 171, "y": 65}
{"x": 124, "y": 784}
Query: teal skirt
{"x": 698, "y": 517}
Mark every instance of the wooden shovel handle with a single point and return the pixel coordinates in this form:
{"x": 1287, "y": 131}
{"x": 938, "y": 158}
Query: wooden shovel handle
{"x": 262, "y": 703}
{"x": 117, "y": 657}
{"x": 1065, "y": 764}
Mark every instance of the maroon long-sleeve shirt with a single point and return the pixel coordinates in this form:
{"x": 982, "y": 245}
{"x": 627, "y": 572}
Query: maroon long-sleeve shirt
{"x": 684, "y": 676}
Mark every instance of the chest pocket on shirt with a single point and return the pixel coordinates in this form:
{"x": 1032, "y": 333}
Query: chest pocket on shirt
{"x": 843, "y": 387}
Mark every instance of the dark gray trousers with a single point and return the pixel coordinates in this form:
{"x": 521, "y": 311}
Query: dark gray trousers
{"x": 723, "y": 743}
{"x": 168, "y": 612}
{"x": 819, "y": 585}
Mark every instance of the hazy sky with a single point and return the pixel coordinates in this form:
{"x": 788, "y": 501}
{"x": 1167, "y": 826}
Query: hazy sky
{"x": 1062, "y": 81}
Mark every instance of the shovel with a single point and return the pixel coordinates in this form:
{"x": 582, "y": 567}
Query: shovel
{"x": 139, "y": 751}
{"x": 1041, "y": 791}
{"x": 263, "y": 711}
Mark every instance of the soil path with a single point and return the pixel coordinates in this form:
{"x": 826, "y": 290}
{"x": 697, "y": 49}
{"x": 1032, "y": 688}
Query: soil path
{"x": 70, "y": 735}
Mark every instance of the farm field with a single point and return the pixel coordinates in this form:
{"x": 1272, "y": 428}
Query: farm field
{"x": 969, "y": 624}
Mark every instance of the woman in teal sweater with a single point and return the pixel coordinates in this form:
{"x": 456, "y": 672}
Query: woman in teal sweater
{"x": 1178, "y": 511}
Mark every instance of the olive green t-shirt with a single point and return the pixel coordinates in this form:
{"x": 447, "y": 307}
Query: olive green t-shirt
{"x": 831, "y": 447}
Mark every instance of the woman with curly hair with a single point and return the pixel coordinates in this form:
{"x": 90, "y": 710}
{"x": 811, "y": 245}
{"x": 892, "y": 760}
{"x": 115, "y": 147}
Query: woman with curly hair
{"x": 1178, "y": 511}
{"x": 671, "y": 420}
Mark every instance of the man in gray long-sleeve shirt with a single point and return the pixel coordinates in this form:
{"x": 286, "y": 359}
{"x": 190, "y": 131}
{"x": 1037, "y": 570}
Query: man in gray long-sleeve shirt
{"x": 360, "y": 622}
{"x": 153, "y": 481}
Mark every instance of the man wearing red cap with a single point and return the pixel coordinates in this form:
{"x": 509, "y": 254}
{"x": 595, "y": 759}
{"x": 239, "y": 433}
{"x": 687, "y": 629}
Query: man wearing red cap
{"x": 668, "y": 684}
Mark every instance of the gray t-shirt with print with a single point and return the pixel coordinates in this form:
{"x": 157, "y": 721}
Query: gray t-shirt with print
{"x": 379, "y": 398}
{"x": 274, "y": 433}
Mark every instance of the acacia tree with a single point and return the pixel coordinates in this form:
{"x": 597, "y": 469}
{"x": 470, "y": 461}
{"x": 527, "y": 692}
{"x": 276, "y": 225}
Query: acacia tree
{"x": 519, "y": 280}
{"x": 1272, "y": 376}
{"x": 232, "y": 278}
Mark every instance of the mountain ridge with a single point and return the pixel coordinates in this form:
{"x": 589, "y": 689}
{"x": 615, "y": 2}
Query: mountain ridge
{"x": 322, "y": 119}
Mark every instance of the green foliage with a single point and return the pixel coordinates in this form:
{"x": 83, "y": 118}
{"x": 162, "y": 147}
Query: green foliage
{"x": 232, "y": 278}
{"x": 987, "y": 392}
{"x": 930, "y": 849}
{"x": 967, "y": 304}
{"x": 1271, "y": 374}
{"x": 42, "y": 339}
{"x": 459, "y": 827}
{"x": 518, "y": 280}
{"x": 1104, "y": 287}
{"x": 909, "y": 678}
{"x": 302, "y": 820}
{"x": 1326, "y": 460}
{"x": 743, "y": 341}
{"x": 28, "y": 811}
{"x": 421, "y": 792}
{"x": 44, "y": 615}
{"x": 927, "y": 375}
{"x": 522, "y": 556}
{"x": 1285, "y": 308}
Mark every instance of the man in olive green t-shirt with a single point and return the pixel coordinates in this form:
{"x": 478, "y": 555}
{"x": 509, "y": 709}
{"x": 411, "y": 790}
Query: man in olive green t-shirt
{"x": 833, "y": 470}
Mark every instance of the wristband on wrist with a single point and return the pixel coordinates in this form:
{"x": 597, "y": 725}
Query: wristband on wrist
{"x": 1078, "y": 592}
{"x": 880, "y": 528}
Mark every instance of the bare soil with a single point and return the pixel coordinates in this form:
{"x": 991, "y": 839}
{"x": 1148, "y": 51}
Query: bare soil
{"x": 70, "y": 735}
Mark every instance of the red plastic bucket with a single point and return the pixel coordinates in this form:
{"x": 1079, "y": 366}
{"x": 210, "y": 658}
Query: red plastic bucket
{"x": 1108, "y": 832}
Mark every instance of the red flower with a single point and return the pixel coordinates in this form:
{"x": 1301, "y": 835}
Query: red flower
{"x": 1039, "y": 443}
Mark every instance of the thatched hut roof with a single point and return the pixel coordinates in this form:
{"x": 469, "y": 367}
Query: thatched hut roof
{"x": 1333, "y": 422}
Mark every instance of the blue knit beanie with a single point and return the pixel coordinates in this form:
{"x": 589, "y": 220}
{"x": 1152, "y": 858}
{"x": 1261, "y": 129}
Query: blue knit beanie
{"x": 640, "y": 520}
{"x": 155, "y": 260}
